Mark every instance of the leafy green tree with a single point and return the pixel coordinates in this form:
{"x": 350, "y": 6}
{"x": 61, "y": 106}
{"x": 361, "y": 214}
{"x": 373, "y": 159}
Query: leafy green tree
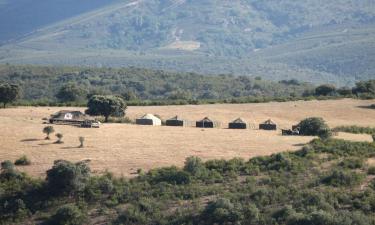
{"x": 9, "y": 93}
{"x": 70, "y": 93}
{"x": 48, "y": 130}
{"x": 314, "y": 126}
{"x": 106, "y": 106}
{"x": 67, "y": 178}
{"x": 325, "y": 89}
{"x": 365, "y": 87}
{"x": 194, "y": 165}
{"x": 68, "y": 215}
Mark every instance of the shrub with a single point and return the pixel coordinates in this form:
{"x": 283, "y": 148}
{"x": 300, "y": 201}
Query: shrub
{"x": 221, "y": 211}
{"x": 371, "y": 170}
{"x": 59, "y": 138}
{"x": 22, "y": 161}
{"x": 194, "y": 165}
{"x": 340, "y": 178}
{"x": 81, "y": 141}
{"x": 66, "y": 177}
{"x": 373, "y": 137}
{"x": 68, "y": 215}
{"x": 352, "y": 163}
{"x": 170, "y": 175}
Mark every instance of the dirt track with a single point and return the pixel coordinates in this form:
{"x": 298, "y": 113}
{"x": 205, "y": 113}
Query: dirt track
{"x": 123, "y": 149}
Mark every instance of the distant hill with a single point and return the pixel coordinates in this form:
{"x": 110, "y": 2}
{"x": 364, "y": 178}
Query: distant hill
{"x": 330, "y": 41}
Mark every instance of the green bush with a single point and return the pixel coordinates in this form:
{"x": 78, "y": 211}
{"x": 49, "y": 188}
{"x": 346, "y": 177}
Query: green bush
{"x": 222, "y": 211}
{"x": 352, "y": 163}
{"x": 340, "y": 178}
{"x": 66, "y": 177}
{"x": 22, "y": 161}
{"x": 171, "y": 175}
{"x": 68, "y": 215}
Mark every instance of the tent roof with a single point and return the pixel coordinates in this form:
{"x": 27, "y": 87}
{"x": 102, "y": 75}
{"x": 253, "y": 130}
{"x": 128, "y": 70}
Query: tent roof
{"x": 149, "y": 117}
{"x": 239, "y": 120}
{"x": 270, "y": 122}
{"x": 176, "y": 118}
{"x": 206, "y": 120}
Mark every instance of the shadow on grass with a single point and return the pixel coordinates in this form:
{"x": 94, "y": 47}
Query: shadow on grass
{"x": 75, "y": 147}
{"x": 300, "y": 144}
{"x": 367, "y": 107}
{"x": 31, "y": 140}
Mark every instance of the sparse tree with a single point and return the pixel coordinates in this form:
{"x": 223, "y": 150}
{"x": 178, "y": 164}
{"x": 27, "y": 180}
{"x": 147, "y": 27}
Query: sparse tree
{"x": 9, "y": 93}
{"x": 81, "y": 141}
{"x": 59, "y": 138}
{"x": 48, "y": 130}
{"x": 106, "y": 106}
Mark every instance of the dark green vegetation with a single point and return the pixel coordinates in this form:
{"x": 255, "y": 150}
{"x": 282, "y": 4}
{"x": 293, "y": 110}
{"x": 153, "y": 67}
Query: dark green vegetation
{"x": 106, "y": 106}
{"x": 326, "y": 182}
{"x": 8, "y": 93}
{"x": 314, "y": 126}
{"x": 324, "y": 42}
{"x": 74, "y": 85}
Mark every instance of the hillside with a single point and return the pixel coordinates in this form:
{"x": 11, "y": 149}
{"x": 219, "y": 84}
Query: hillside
{"x": 331, "y": 41}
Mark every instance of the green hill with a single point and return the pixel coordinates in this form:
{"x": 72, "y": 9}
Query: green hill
{"x": 329, "y": 41}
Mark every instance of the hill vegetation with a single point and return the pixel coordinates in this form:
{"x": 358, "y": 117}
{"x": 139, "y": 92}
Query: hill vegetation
{"x": 322, "y": 42}
{"x": 326, "y": 182}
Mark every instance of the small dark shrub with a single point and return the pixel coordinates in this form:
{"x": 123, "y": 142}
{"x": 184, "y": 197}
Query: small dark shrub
{"x": 23, "y": 161}
{"x": 371, "y": 170}
{"x": 170, "y": 175}
{"x": 68, "y": 215}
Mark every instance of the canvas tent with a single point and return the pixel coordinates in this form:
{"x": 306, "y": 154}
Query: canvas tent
{"x": 268, "y": 125}
{"x": 148, "y": 119}
{"x": 238, "y": 124}
{"x": 68, "y": 117}
{"x": 206, "y": 123}
{"x": 176, "y": 122}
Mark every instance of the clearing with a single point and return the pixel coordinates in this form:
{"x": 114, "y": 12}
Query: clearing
{"x": 123, "y": 148}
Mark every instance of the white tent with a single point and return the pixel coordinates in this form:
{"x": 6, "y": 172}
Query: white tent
{"x": 148, "y": 119}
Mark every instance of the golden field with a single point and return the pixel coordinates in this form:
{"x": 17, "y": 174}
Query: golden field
{"x": 124, "y": 148}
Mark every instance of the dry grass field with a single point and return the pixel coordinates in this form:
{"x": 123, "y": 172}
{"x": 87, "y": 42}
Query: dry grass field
{"x": 123, "y": 148}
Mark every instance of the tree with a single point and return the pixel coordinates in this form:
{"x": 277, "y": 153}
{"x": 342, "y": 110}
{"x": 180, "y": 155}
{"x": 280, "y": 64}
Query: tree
{"x": 70, "y": 93}
{"x": 325, "y": 89}
{"x": 106, "y": 106}
{"x": 9, "y": 93}
{"x": 59, "y": 138}
{"x": 68, "y": 178}
{"x": 48, "y": 130}
{"x": 314, "y": 126}
{"x": 81, "y": 141}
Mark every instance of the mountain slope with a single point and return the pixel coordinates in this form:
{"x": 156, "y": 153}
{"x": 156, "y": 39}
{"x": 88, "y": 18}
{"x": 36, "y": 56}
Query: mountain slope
{"x": 298, "y": 39}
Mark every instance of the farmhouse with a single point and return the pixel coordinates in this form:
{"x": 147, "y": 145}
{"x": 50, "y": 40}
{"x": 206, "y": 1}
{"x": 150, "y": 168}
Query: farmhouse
{"x": 148, "y": 119}
{"x": 268, "y": 125}
{"x": 207, "y": 123}
{"x": 68, "y": 117}
{"x": 238, "y": 124}
{"x": 176, "y": 122}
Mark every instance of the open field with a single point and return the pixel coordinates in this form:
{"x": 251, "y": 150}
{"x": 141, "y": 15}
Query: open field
{"x": 123, "y": 148}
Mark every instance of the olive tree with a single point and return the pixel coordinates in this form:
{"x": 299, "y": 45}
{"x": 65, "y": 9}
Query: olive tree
{"x": 99, "y": 105}
{"x": 48, "y": 130}
{"x": 314, "y": 126}
{"x": 9, "y": 93}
